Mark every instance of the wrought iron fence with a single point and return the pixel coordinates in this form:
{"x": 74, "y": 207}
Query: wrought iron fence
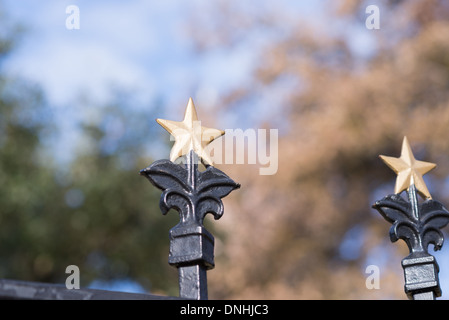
{"x": 195, "y": 193}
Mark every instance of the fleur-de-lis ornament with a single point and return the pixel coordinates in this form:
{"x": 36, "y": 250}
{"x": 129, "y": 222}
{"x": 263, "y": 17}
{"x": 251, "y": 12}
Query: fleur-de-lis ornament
{"x": 418, "y": 224}
{"x": 193, "y": 193}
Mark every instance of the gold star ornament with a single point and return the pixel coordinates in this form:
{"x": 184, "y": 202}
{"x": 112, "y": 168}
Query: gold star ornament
{"x": 190, "y": 135}
{"x": 409, "y": 170}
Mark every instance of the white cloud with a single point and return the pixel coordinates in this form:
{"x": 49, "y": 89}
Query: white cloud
{"x": 128, "y": 44}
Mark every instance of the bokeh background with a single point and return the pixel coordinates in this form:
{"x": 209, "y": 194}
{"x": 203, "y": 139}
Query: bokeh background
{"x": 77, "y": 110}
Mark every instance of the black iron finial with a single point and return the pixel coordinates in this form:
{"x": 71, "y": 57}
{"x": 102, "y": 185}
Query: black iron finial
{"x": 418, "y": 224}
{"x": 193, "y": 193}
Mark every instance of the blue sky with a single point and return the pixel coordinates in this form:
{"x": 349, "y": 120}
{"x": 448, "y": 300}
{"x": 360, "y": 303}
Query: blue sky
{"x": 129, "y": 44}
{"x": 136, "y": 44}
{"x": 140, "y": 46}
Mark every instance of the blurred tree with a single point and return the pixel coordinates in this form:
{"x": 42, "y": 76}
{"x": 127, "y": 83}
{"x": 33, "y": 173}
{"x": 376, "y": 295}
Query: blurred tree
{"x": 110, "y": 202}
{"x": 309, "y": 231}
{"x": 27, "y": 187}
{"x": 97, "y": 213}
{"x": 306, "y": 232}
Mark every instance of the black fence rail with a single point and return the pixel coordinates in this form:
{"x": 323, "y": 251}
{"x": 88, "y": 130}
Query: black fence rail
{"x": 26, "y": 290}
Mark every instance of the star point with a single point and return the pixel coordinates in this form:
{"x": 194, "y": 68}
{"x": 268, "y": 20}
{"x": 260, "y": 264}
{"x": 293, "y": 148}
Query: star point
{"x": 190, "y": 135}
{"x": 409, "y": 170}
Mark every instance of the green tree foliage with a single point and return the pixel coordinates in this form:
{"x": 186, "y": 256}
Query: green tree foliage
{"x": 97, "y": 213}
